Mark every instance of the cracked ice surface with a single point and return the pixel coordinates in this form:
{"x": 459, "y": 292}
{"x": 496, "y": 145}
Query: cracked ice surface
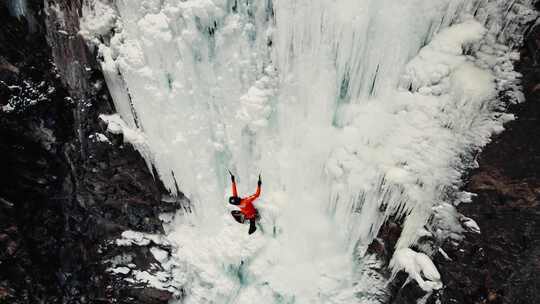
{"x": 354, "y": 111}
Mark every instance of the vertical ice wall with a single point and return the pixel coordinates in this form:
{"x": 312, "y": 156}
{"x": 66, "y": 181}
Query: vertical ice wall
{"x": 386, "y": 63}
{"x": 354, "y": 110}
{"x": 177, "y": 71}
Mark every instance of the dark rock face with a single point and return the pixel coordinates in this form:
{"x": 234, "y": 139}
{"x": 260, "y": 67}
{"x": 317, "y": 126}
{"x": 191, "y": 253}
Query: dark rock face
{"x": 69, "y": 51}
{"x": 64, "y": 192}
{"x": 502, "y": 264}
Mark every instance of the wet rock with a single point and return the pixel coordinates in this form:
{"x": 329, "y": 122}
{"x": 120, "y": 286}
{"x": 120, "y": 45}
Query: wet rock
{"x": 71, "y": 56}
{"x": 383, "y": 245}
{"x": 377, "y": 259}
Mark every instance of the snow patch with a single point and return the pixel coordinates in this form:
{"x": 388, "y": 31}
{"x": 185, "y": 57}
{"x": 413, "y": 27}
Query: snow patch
{"x": 120, "y": 270}
{"x": 130, "y": 238}
{"x": 444, "y": 254}
{"x": 116, "y": 125}
{"x": 98, "y": 19}
{"x": 99, "y": 137}
{"x": 419, "y": 266}
{"x": 160, "y": 254}
{"x": 470, "y": 224}
{"x": 119, "y": 260}
{"x": 8, "y": 108}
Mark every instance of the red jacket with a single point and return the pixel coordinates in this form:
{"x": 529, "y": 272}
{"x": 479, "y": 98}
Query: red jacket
{"x": 246, "y": 203}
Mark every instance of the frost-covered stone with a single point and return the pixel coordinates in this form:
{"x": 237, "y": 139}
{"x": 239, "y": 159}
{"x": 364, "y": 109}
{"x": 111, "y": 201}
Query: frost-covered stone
{"x": 470, "y": 224}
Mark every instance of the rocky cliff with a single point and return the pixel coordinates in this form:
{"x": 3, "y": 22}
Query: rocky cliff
{"x": 68, "y": 189}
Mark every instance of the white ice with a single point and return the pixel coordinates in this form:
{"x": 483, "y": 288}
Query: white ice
{"x": 419, "y": 266}
{"x": 353, "y": 111}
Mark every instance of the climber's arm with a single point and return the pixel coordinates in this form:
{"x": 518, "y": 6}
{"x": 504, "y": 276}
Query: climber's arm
{"x": 258, "y": 192}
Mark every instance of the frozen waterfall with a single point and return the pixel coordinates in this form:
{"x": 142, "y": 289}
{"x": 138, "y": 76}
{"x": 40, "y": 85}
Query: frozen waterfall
{"x": 354, "y": 112}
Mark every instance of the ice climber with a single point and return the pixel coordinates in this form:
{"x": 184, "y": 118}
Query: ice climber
{"x": 247, "y": 211}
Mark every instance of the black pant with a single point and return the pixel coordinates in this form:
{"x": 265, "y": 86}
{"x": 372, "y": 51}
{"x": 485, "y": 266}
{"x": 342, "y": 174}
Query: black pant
{"x": 239, "y": 217}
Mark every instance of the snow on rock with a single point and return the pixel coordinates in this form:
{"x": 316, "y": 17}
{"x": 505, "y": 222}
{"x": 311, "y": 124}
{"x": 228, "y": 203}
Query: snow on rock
{"x": 463, "y": 196}
{"x": 99, "y": 137}
{"x": 160, "y": 275}
{"x": 57, "y": 11}
{"x": 160, "y": 280}
{"x": 419, "y": 267}
{"x": 446, "y": 222}
{"x": 8, "y": 108}
{"x": 470, "y": 224}
{"x": 119, "y": 260}
{"x": 27, "y": 93}
{"x": 160, "y": 254}
{"x": 444, "y": 254}
{"x": 120, "y": 270}
{"x": 116, "y": 125}
{"x": 130, "y": 238}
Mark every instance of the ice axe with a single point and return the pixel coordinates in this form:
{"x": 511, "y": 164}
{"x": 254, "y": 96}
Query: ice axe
{"x": 232, "y": 176}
